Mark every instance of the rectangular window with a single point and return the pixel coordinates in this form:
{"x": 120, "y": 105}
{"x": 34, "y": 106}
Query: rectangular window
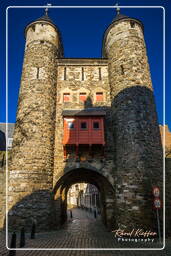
{"x": 99, "y": 96}
{"x": 70, "y": 125}
{"x": 66, "y": 97}
{"x": 96, "y": 125}
{"x": 83, "y": 125}
{"x": 83, "y": 96}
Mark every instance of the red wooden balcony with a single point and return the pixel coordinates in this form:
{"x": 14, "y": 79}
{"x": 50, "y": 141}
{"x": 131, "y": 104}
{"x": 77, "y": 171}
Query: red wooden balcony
{"x": 84, "y": 129}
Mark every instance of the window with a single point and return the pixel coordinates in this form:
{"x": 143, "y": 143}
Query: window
{"x": 10, "y": 142}
{"x": 132, "y": 23}
{"x": 83, "y": 125}
{"x": 37, "y": 75}
{"x": 65, "y": 73}
{"x": 122, "y": 69}
{"x": 95, "y": 125}
{"x": 70, "y": 125}
{"x": 83, "y": 96}
{"x": 100, "y": 74}
{"x": 66, "y": 97}
{"x": 82, "y": 74}
{"x": 99, "y": 96}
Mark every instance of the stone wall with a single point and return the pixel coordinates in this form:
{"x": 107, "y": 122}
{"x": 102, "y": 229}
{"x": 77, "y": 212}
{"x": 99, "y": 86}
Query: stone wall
{"x": 2, "y": 197}
{"x": 74, "y": 84}
{"x": 135, "y": 128}
{"x": 31, "y": 169}
{"x": 167, "y": 142}
{"x": 133, "y": 155}
{"x": 88, "y": 76}
{"x": 168, "y": 197}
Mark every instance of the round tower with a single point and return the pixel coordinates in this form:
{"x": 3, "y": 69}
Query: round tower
{"x": 135, "y": 128}
{"x": 31, "y": 168}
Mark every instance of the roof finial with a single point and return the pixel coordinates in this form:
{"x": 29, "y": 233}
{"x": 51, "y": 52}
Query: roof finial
{"x": 117, "y": 8}
{"x": 46, "y": 9}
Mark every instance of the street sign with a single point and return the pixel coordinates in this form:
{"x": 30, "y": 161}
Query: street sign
{"x": 156, "y": 192}
{"x": 157, "y": 203}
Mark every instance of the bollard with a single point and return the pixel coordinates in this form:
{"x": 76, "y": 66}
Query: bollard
{"x": 13, "y": 245}
{"x": 70, "y": 214}
{"x": 22, "y": 238}
{"x": 95, "y": 215}
{"x": 33, "y": 230}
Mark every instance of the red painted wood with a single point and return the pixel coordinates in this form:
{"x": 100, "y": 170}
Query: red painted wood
{"x": 66, "y": 97}
{"x": 83, "y": 96}
{"x": 87, "y": 135}
{"x": 99, "y": 96}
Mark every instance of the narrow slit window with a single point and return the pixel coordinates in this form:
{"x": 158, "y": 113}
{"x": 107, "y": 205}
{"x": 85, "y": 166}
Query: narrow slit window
{"x": 33, "y": 27}
{"x": 82, "y": 71}
{"x": 83, "y": 125}
{"x": 99, "y": 96}
{"x": 132, "y": 23}
{"x": 122, "y": 69}
{"x": 100, "y": 74}
{"x": 83, "y": 96}
{"x": 65, "y": 73}
{"x": 37, "y": 75}
{"x": 66, "y": 97}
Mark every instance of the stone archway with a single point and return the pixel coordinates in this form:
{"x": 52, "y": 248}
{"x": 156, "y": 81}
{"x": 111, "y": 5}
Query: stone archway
{"x": 107, "y": 195}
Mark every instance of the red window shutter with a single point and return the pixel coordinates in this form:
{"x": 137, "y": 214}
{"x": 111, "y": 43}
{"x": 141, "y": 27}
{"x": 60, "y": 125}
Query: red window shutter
{"x": 99, "y": 96}
{"x": 83, "y": 96}
{"x": 66, "y": 97}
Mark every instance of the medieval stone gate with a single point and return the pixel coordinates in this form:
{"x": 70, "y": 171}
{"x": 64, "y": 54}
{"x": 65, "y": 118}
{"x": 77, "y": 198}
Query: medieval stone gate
{"x": 85, "y": 120}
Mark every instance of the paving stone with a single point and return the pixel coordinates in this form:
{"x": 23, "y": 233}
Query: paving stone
{"x": 80, "y": 232}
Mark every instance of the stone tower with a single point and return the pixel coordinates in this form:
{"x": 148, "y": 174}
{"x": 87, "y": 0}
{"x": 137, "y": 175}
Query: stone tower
{"x": 85, "y": 120}
{"x": 135, "y": 129}
{"x": 31, "y": 169}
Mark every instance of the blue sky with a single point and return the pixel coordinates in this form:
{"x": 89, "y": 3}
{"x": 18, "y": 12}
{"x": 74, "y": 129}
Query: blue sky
{"x": 82, "y": 33}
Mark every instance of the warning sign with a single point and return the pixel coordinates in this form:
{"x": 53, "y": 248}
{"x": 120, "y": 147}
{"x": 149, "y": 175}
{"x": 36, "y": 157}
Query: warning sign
{"x": 157, "y": 203}
{"x": 156, "y": 192}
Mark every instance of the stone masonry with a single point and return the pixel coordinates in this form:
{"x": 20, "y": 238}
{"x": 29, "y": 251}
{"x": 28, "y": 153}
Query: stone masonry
{"x": 39, "y": 174}
{"x": 135, "y": 129}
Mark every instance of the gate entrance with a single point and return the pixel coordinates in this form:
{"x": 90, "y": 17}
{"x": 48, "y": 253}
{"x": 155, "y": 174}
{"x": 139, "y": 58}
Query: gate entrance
{"x": 81, "y": 175}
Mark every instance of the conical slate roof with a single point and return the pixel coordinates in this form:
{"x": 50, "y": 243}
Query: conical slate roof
{"x": 119, "y": 16}
{"x": 45, "y": 18}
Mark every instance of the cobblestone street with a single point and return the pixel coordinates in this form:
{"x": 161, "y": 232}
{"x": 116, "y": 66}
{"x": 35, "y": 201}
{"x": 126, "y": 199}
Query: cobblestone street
{"x": 82, "y": 231}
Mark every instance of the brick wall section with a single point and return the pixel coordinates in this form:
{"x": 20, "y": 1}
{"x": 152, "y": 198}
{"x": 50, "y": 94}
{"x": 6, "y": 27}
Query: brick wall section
{"x": 136, "y": 132}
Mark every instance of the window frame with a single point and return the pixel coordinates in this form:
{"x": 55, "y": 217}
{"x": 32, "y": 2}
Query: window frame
{"x": 83, "y": 122}
{"x": 72, "y": 123}
{"x": 102, "y": 94}
{"x": 84, "y": 93}
{"x": 65, "y": 94}
{"x": 96, "y": 122}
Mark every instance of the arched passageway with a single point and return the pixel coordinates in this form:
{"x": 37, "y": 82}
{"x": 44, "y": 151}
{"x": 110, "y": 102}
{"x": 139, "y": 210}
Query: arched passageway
{"x": 80, "y": 175}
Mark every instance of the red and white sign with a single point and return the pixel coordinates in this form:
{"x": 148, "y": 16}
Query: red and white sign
{"x": 157, "y": 203}
{"x": 156, "y": 192}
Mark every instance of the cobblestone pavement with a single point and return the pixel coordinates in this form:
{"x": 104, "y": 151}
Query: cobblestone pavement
{"x": 82, "y": 231}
